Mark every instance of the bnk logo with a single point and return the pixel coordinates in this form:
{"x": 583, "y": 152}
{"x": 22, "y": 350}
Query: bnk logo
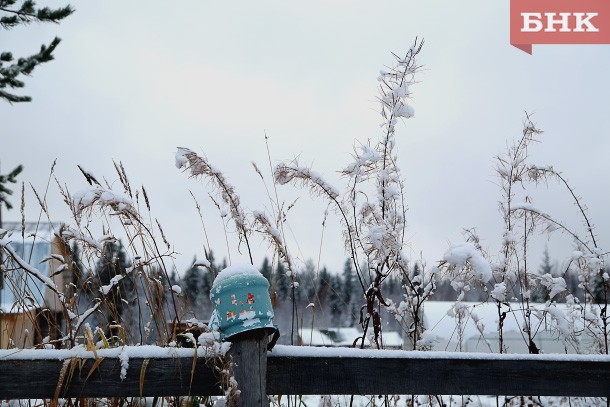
{"x": 559, "y": 22}
{"x": 581, "y": 22}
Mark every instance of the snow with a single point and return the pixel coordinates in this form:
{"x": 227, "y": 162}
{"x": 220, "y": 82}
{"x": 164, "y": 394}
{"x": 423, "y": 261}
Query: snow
{"x": 181, "y": 160}
{"x": 149, "y": 351}
{"x": 428, "y": 339}
{"x": 122, "y": 353}
{"x": 459, "y": 254}
{"x": 34, "y": 231}
{"x": 101, "y": 196}
{"x": 307, "y": 351}
{"x": 105, "y": 289}
{"x": 16, "y": 308}
{"x": 556, "y": 285}
{"x": 527, "y": 207}
{"x": 124, "y": 358}
{"x": 403, "y": 110}
{"x": 201, "y": 263}
{"x": 78, "y": 235}
{"x": 176, "y": 289}
{"x": 236, "y": 270}
{"x": 499, "y": 292}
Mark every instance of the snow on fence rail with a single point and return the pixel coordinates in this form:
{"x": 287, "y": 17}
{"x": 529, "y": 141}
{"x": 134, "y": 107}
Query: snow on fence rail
{"x": 301, "y": 370}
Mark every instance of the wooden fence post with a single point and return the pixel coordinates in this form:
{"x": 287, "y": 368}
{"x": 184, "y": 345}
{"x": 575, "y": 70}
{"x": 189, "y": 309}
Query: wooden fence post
{"x": 249, "y": 356}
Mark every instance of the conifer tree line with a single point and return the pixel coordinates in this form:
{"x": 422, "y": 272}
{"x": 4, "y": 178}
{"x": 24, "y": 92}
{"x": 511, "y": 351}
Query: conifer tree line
{"x": 323, "y": 298}
{"x": 332, "y": 296}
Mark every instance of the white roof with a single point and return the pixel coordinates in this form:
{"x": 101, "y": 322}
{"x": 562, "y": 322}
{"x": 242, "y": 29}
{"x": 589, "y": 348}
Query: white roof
{"x": 43, "y": 231}
{"x": 479, "y": 327}
{"x": 313, "y": 337}
{"x": 344, "y": 337}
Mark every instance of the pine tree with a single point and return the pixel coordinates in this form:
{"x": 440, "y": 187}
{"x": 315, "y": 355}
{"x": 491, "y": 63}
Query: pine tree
{"x": 4, "y": 191}
{"x": 336, "y": 303}
{"x": 192, "y": 284}
{"x": 307, "y": 279}
{"x": 599, "y": 287}
{"x": 12, "y": 15}
{"x": 323, "y": 286}
{"x": 266, "y": 269}
{"x": 350, "y": 294}
{"x": 348, "y": 281}
{"x": 282, "y": 283}
{"x": 173, "y": 278}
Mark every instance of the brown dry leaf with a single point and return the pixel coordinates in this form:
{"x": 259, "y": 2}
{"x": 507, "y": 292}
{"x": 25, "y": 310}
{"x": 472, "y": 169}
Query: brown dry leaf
{"x": 193, "y": 370}
{"x": 142, "y": 373}
{"x": 94, "y": 367}
{"x": 74, "y": 362}
{"x": 62, "y": 375}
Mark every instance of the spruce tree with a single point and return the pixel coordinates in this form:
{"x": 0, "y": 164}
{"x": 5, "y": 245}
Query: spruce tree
{"x": 599, "y": 287}
{"x": 323, "y": 286}
{"x": 336, "y": 303}
{"x": 266, "y": 269}
{"x": 282, "y": 283}
{"x": 11, "y": 16}
{"x": 348, "y": 281}
{"x": 192, "y": 284}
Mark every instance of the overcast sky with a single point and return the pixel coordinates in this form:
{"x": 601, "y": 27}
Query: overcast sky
{"x": 134, "y": 80}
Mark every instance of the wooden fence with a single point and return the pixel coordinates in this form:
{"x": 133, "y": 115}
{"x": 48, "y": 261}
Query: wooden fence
{"x": 303, "y": 371}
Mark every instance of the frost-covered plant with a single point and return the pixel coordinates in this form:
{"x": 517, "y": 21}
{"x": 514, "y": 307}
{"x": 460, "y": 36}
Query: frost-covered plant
{"x": 132, "y": 300}
{"x": 198, "y": 166}
{"x": 228, "y": 202}
{"x": 372, "y": 209}
{"x": 103, "y": 294}
{"x": 508, "y": 279}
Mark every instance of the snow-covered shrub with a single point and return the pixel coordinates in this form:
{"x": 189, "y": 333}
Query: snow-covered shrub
{"x": 507, "y": 279}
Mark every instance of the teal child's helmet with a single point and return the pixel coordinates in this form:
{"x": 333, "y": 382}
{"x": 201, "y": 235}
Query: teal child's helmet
{"x": 240, "y": 295}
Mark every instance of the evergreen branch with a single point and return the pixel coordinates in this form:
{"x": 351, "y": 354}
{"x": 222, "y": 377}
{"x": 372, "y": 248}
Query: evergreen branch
{"x": 24, "y": 66}
{"x": 28, "y": 13}
{"x": 4, "y": 191}
{"x": 14, "y": 98}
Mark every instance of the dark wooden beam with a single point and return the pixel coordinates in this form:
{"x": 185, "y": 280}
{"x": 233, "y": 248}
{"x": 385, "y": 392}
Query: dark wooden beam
{"x": 300, "y": 373}
{"x": 28, "y": 379}
{"x": 459, "y": 376}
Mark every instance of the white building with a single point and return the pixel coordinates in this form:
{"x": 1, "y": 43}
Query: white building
{"x": 29, "y": 310}
{"x": 474, "y": 328}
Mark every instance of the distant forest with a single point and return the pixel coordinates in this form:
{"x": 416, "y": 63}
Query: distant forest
{"x": 322, "y": 298}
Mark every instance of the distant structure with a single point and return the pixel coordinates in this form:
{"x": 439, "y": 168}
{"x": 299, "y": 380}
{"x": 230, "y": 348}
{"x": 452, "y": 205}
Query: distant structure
{"x": 29, "y": 311}
{"x": 344, "y": 337}
{"x": 475, "y": 328}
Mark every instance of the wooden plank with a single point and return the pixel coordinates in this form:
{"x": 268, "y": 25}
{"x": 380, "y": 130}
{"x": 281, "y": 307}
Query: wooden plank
{"x": 249, "y": 356}
{"x": 348, "y": 375}
{"x": 304, "y": 374}
{"x": 27, "y": 379}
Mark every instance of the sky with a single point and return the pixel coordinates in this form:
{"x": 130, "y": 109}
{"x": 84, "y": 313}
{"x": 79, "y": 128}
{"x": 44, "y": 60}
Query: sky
{"x": 132, "y": 81}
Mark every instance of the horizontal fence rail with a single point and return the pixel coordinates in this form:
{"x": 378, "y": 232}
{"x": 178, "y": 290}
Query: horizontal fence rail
{"x": 303, "y": 371}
